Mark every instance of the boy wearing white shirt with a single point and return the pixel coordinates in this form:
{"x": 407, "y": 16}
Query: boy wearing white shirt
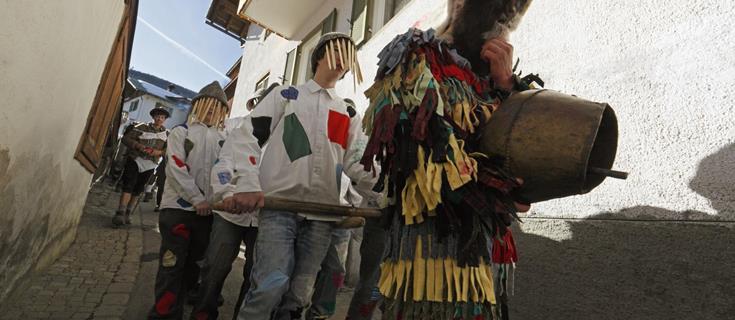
{"x": 185, "y": 217}
{"x": 312, "y": 141}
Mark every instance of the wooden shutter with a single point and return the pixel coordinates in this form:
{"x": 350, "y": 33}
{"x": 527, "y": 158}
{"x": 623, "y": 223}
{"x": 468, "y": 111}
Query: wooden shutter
{"x": 108, "y": 98}
{"x": 288, "y": 73}
{"x": 360, "y": 21}
{"x": 330, "y": 22}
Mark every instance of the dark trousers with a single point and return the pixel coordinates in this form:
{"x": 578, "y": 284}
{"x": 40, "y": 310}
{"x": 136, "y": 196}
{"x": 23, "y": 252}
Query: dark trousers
{"x": 184, "y": 239}
{"x": 133, "y": 182}
{"x": 224, "y": 245}
{"x": 160, "y": 183}
{"x": 367, "y": 296}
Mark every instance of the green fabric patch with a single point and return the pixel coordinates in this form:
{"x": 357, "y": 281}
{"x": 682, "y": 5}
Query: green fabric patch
{"x": 188, "y": 145}
{"x": 294, "y": 138}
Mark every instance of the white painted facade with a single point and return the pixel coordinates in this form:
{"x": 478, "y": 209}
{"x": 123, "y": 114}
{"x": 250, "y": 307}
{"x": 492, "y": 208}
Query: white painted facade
{"x": 666, "y": 68}
{"x": 52, "y": 56}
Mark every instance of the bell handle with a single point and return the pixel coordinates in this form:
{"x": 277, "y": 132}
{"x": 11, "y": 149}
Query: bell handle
{"x": 608, "y": 173}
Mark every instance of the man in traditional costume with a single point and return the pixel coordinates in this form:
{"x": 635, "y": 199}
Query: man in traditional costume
{"x": 450, "y": 247}
{"x": 146, "y": 143}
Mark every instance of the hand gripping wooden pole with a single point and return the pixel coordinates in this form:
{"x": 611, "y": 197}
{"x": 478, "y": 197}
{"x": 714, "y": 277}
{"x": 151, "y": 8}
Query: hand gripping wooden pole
{"x": 313, "y": 208}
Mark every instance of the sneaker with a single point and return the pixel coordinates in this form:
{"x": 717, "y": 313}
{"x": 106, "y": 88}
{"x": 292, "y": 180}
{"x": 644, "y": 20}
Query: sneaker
{"x": 156, "y": 209}
{"x": 350, "y": 223}
{"x": 118, "y": 219}
{"x": 127, "y": 218}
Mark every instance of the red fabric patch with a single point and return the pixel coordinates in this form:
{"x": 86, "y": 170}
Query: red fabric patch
{"x": 338, "y": 127}
{"x": 181, "y": 231}
{"x": 201, "y": 315}
{"x": 252, "y": 160}
{"x": 505, "y": 252}
{"x": 163, "y": 306}
{"x": 338, "y": 279}
{"x": 178, "y": 161}
{"x": 367, "y": 308}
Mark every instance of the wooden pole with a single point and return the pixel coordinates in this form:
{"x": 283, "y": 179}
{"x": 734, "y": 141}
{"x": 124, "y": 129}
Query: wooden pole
{"x": 314, "y": 208}
{"x": 329, "y": 57}
{"x": 341, "y": 53}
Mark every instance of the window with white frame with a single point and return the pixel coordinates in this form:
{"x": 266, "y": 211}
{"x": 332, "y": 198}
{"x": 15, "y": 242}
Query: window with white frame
{"x": 302, "y": 58}
{"x": 392, "y": 7}
{"x": 361, "y": 20}
{"x": 262, "y": 83}
{"x": 134, "y": 105}
{"x": 377, "y": 12}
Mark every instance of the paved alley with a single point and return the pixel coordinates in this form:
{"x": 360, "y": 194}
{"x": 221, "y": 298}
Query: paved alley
{"x": 108, "y": 273}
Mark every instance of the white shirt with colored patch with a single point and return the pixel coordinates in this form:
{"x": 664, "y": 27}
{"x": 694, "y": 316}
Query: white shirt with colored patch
{"x": 147, "y": 164}
{"x": 312, "y": 141}
{"x": 191, "y": 152}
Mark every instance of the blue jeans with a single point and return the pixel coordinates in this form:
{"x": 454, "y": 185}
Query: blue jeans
{"x": 288, "y": 254}
{"x": 331, "y": 277}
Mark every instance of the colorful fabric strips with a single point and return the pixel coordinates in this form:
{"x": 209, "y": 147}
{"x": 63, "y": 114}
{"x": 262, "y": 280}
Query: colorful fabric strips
{"x": 450, "y": 202}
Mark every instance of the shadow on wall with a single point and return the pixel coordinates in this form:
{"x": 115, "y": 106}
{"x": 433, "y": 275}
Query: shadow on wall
{"x": 29, "y": 196}
{"x": 623, "y": 269}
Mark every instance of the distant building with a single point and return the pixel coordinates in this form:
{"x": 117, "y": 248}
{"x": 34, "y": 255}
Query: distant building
{"x": 144, "y": 92}
{"x": 233, "y": 74}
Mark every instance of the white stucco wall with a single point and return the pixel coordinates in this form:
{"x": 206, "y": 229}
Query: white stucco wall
{"x": 666, "y": 68}
{"x": 52, "y": 57}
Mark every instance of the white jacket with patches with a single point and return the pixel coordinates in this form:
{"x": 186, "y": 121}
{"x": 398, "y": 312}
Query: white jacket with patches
{"x": 191, "y": 152}
{"x": 311, "y": 141}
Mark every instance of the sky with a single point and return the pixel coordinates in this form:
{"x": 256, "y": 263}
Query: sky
{"x": 172, "y": 42}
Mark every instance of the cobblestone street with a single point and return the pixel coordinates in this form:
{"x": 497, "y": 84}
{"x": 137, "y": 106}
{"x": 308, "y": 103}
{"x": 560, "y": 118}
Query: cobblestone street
{"x": 108, "y": 273}
{"x": 93, "y": 279}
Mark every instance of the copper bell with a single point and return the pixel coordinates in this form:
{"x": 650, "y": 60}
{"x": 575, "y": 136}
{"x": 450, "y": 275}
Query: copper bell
{"x": 560, "y": 145}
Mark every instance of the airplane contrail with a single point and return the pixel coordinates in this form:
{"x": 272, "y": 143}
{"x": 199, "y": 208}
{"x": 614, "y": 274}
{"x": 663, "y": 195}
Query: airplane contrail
{"x": 182, "y": 48}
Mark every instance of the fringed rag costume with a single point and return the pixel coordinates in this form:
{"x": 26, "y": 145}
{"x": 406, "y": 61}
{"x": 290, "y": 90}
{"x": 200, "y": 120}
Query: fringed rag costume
{"x": 450, "y": 207}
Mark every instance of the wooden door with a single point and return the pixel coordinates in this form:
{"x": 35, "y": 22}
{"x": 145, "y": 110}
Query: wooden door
{"x": 108, "y": 100}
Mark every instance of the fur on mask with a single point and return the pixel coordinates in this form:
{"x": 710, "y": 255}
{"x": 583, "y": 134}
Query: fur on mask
{"x": 470, "y": 22}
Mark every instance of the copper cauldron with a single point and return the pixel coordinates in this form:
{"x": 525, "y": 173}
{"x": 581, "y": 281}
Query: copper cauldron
{"x": 559, "y": 144}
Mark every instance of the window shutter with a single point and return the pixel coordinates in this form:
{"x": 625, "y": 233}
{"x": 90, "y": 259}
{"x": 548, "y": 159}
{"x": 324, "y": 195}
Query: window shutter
{"x": 330, "y": 22}
{"x": 108, "y": 99}
{"x": 359, "y": 21}
{"x": 288, "y": 73}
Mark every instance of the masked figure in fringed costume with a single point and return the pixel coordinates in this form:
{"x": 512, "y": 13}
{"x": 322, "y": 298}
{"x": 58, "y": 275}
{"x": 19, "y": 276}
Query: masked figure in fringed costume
{"x": 450, "y": 207}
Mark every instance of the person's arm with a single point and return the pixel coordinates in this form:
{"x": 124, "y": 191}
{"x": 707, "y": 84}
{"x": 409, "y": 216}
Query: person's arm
{"x": 499, "y": 54}
{"x": 235, "y": 177}
{"x": 162, "y": 152}
{"x": 178, "y": 171}
{"x": 363, "y": 181}
{"x": 130, "y": 139}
